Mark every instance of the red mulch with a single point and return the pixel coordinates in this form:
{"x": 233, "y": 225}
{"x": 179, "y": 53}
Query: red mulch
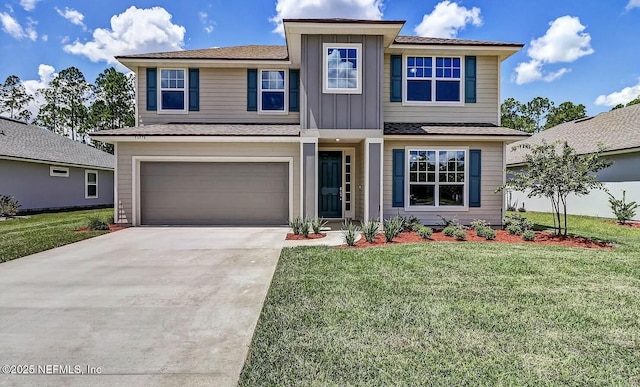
{"x": 294, "y": 237}
{"x": 542, "y": 237}
{"x": 112, "y": 227}
{"x": 632, "y": 224}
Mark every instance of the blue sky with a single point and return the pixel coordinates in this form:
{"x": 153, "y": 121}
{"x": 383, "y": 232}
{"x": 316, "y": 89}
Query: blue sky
{"x": 584, "y": 51}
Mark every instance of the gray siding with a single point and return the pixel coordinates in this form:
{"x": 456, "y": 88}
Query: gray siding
{"x": 309, "y": 188}
{"x": 358, "y": 190}
{"x": 341, "y": 111}
{"x": 375, "y": 174}
{"x": 624, "y": 168}
{"x": 35, "y": 189}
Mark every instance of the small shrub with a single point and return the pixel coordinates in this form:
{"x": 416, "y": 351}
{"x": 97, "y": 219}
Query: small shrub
{"x": 522, "y": 209}
{"x": 444, "y": 222}
{"x": 411, "y": 223}
{"x": 97, "y": 224}
{"x": 511, "y": 205}
{"x": 449, "y": 230}
{"x": 489, "y": 234}
{"x": 621, "y": 209}
{"x": 370, "y": 229}
{"x": 350, "y": 233}
{"x": 514, "y": 229}
{"x": 460, "y": 235}
{"x": 9, "y": 206}
{"x": 296, "y": 225}
{"x": 393, "y": 227}
{"x": 305, "y": 227}
{"x": 518, "y": 220}
{"x": 529, "y": 235}
{"x": 111, "y": 220}
{"x": 317, "y": 224}
{"x": 424, "y": 232}
{"x": 479, "y": 224}
{"x": 482, "y": 231}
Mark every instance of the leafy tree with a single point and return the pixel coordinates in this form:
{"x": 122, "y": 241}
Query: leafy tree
{"x": 14, "y": 99}
{"x": 538, "y": 114}
{"x": 565, "y": 112}
{"x": 537, "y": 110}
{"x": 555, "y": 171}
{"x": 513, "y": 114}
{"x": 635, "y": 101}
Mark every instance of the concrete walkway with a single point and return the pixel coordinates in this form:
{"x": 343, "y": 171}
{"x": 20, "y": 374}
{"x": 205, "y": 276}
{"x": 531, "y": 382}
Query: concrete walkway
{"x": 145, "y": 306}
{"x": 333, "y": 238}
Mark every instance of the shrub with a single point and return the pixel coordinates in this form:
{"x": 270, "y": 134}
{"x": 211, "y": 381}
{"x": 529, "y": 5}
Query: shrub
{"x": 425, "y": 232}
{"x": 522, "y": 209}
{"x": 529, "y": 235}
{"x": 393, "y": 227}
{"x": 621, "y": 209}
{"x": 482, "y": 231}
{"x": 97, "y": 224}
{"x": 296, "y": 225}
{"x": 449, "y": 230}
{"x": 460, "y": 235}
{"x": 317, "y": 224}
{"x": 479, "y": 224}
{"x": 444, "y": 222}
{"x": 350, "y": 232}
{"x": 518, "y": 220}
{"x": 8, "y": 206}
{"x": 514, "y": 229}
{"x": 305, "y": 227}
{"x": 411, "y": 223}
{"x": 111, "y": 220}
{"x": 489, "y": 234}
{"x": 370, "y": 229}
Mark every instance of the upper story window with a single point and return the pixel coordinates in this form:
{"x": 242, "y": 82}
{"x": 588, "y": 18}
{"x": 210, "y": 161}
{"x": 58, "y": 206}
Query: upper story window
{"x": 342, "y": 68}
{"x": 273, "y": 96}
{"x": 173, "y": 90}
{"x": 433, "y": 79}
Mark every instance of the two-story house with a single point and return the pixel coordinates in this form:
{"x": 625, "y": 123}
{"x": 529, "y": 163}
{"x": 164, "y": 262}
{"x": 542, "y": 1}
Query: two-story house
{"x": 348, "y": 120}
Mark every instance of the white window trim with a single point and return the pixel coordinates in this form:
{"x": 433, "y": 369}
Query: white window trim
{"x": 406, "y": 102}
{"x": 286, "y": 93}
{"x": 160, "y": 110}
{"x": 325, "y": 73}
{"x": 409, "y": 208}
{"x": 53, "y": 171}
{"x": 86, "y": 183}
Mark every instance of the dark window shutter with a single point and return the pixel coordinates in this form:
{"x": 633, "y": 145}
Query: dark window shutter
{"x": 475, "y": 169}
{"x": 470, "y": 72}
{"x": 396, "y": 78}
{"x": 398, "y": 178}
{"x": 152, "y": 88}
{"x": 252, "y": 90}
{"x": 294, "y": 90}
{"x": 194, "y": 90}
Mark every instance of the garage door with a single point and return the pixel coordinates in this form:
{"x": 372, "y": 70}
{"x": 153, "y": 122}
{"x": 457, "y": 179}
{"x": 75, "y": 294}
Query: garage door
{"x": 181, "y": 193}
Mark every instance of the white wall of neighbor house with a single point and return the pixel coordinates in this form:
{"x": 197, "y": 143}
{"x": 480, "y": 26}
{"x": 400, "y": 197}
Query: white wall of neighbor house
{"x": 127, "y": 150}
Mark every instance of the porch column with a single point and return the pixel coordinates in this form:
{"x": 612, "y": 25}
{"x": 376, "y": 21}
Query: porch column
{"x": 373, "y": 179}
{"x": 309, "y": 189}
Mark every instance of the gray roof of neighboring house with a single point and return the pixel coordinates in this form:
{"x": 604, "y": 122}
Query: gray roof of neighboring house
{"x": 615, "y": 130}
{"x": 462, "y": 129}
{"x": 29, "y": 142}
{"x": 207, "y": 130}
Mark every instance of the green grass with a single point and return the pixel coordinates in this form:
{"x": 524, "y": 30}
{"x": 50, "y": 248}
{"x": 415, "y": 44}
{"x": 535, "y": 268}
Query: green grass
{"x": 29, "y": 235}
{"x": 454, "y": 314}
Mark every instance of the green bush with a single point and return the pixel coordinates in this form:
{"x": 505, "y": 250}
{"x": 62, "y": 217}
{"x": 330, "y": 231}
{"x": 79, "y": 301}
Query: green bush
{"x": 425, "y": 232}
{"x": 621, "y": 209}
{"x": 370, "y": 229}
{"x": 489, "y": 234}
{"x": 460, "y": 235}
{"x": 97, "y": 224}
{"x": 529, "y": 235}
{"x": 350, "y": 232}
{"x": 514, "y": 229}
{"x": 479, "y": 224}
{"x": 518, "y": 220}
{"x": 449, "y": 230}
{"x": 411, "y": 223}
{"x": 305, "y": 227}
{"x": 444, "y": 222}
{"x": 393, "y": 227}
{"x": 482, "y": 231}
{"x": 111, "y": 220}
{"x": 522, "y": 209}
{"x": 317, "y": 224}
{"x": 296, "y": 225}
{"x": 9, "y": 206}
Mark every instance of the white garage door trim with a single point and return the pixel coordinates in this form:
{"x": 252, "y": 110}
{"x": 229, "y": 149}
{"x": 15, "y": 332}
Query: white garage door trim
{"x": 135, "y": 163}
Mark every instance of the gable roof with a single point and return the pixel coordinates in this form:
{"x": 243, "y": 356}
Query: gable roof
{"x": 29, "y": 142}
{"x": 615, "y": 130}
{"x": 420, "y": 40}
{"x": 458, "y": 129}
{"x": 250, "y": 52}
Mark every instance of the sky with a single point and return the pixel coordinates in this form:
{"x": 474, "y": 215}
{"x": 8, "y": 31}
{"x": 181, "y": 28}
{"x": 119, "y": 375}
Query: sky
{"x": 583, "y": 51}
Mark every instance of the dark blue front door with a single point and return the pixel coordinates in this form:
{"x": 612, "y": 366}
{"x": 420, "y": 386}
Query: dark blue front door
{"x": 330, "y": 178}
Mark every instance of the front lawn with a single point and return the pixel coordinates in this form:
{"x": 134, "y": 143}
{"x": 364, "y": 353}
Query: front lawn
{"x": 29, "y": 235}
{"x": 454, "y": 314}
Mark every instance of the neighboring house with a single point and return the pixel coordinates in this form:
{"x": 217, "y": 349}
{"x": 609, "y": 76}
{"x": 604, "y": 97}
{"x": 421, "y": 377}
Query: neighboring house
{"x": 618, "y": 131}
{"x": 348, "y": 120}
{"x": 46, "y": 171}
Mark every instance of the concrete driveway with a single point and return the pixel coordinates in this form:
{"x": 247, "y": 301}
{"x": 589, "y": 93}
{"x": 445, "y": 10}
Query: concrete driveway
{"x": 148, "y": 306}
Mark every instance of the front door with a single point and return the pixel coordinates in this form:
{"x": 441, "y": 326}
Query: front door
{"x": 330, "y": 177}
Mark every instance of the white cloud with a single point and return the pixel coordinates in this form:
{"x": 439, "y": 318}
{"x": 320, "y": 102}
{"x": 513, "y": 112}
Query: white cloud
{"x": 11, "y": 26}
{"x": 45, "y": 38}
{"x": 632, "y": 4}
{"x": 133, "y": 31}
{"x": 564, "y": 42}
{"x": 45, "y": 73}
{"x": 355, "y": 9}
{"x": 72, "y": 15}
{"x": 208, "y": 24}
{"x": 619, "y": 97}
{"x": 29, "y": 5}
{"x": 447, "y": 19}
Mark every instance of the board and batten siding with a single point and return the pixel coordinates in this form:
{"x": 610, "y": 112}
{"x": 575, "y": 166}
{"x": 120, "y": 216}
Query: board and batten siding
{"x": 492, "y": 204}
{"x": 126, "y": 150}
{"x": 223, "y": 99}
{"x": 485, "y": 110}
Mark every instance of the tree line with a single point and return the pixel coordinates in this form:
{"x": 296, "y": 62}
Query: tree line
{"x": 72, "y": 106}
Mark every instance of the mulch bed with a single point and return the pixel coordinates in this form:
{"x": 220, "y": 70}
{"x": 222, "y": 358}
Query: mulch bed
{"x": 294, "y": 237}
{"x": 632, "y": 224}
{"x": 112, "y": 227}
{"x": 542, "y": 238}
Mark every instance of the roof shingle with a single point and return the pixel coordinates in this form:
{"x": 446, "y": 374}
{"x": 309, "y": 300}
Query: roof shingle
{"x": 451, "y": 42}
{"x": 460, "y": 129}
{"x": 251, "y": 52}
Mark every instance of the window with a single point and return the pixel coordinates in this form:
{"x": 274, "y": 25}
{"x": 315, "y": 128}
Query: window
{"x": 342, "y": 68}
{"x": 173, "y": 87}
{"x": 273, "y": 91}
{"x": 90, "y": 184}
{"x": 437, "y": 178}
{"x": 58, "y": 171}
{"x": 433, "y": 79}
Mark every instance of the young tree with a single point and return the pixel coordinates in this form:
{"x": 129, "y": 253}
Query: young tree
{"x": 555, "y": 171}
{"x": 14, "y": 99}
{"x": 565, "y": 112}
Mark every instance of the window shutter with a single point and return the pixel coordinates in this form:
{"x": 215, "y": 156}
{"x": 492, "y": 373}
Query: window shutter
{"x": 398, "y": 178}
{"x": 396, "y": 78}
{"x": 294, "y": 90}
{"x": 194, "y": 90}
{"x": 470, "y": 79}
{"x": 152, "y": 88}
{"x": 252, "y": 90}
{"x": 475, "y": 168}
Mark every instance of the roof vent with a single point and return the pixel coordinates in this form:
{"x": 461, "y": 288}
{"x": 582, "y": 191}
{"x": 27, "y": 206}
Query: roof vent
{"x": 583, "y": 120}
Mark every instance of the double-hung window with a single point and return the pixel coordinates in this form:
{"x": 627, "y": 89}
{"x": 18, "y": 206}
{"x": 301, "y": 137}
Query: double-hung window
{"x": 273, "y": 86}
{"x": 433, "y": 79}
{"x": 342, "y": 68}
{"x": 173, "y": 90}
{"x": 437, "y": 178}
{"x": 90, "y": 184}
